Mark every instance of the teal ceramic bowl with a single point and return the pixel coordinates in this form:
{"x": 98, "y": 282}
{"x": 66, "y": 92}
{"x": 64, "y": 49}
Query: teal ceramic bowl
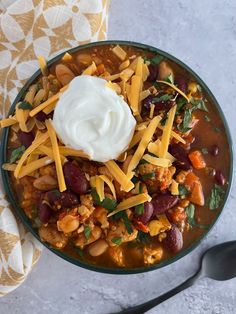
{"x": 26, "y": 221}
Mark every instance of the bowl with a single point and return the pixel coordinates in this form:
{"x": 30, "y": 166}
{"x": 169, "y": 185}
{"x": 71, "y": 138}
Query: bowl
{"x": 26, "y": 221}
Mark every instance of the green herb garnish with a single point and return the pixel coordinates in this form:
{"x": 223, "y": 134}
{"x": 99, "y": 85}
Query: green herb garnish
{"x": 183, "y": 190}
{"x": 142, "y": 237}
{"x": 117, "y": 240}
{"x": 17, "y": 153}
{"x": 162, "y": 98}
{"x": 181, "y": 102}
{"x": 184, "y": 127}
{"x": 199, "y": 104}
{"x": 25, "y": 105}
{"x": 139, "y": 209}
{"x": 134, "y": 179}
{"x": 34, "y": 211}
{"x": 216, "y": 197}
{"x": 190, "y": 212}
{"x": 123, "y": 215}
{"x": 148, "y": 176}
{"x": 142, "y": 162}
{"x": 79, "y": 251}
{"x": 170, "y": 79}
{"x": 204, "y": 151}
{"x": 87, "y": 231}
{"x": 154, "y": 60}
{"x": 107, "y": 203}
{"x": 207, "y": 118}
{"x": 217, "y": 130}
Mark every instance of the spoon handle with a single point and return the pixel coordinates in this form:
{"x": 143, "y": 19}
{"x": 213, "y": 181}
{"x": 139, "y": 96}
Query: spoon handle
{"x": 142, "y": 308}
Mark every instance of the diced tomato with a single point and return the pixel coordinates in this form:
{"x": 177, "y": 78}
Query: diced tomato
{"x": 140, "y": 226}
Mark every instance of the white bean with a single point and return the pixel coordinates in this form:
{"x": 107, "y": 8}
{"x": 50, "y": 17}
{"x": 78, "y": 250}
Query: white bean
{"x": 98, "y": 247}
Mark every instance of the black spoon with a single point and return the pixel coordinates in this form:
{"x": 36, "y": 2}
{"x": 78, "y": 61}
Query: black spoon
{"x": 218, "y": 263}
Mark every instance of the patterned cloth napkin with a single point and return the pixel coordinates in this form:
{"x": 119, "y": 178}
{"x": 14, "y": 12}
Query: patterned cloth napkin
{"x": 29, "y": 28}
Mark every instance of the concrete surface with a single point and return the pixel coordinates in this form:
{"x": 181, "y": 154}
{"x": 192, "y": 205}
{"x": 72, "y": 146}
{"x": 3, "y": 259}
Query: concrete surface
{"x": 202, "y": 34}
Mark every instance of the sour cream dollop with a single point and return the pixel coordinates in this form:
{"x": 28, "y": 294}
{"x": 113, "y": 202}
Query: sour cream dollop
{"x": 90, "y": 116}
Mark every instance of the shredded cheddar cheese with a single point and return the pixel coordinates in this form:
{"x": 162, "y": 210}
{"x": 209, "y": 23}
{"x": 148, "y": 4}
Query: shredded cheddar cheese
{"x": 152, "y": 108}
{"x": 136, "y": 138}
{"x": 41, "y": 138}
{"x": 134, "y": 93}
{"x": 175, "y": 88}
{"x": 67, "y": 57}
{"x": 147, "y": 136}
{"x": 99, "y": 184}
{"x": 43, "y": 65}
{"x": 34, "y": 165}
{"x": 109, "y": 183}
{"x": 67, "y": 151}
{"x": 119, "y": 52}
{"x": 174, "y": 134}
{"x": 165, "y": 139}
{"x": 50, "y": 108}
{"x": 56, "y": 154}
{"x": 154, "y": 148}
{"x": 91, "y": 69}
{"x": 124, "y": 65}
{"x": 8, "y": 122}
{"x": 131, "y": 202}
{"x": 144, "y": 94}
{"x": 161, "y": 162}
{"x": 119, "y": 175}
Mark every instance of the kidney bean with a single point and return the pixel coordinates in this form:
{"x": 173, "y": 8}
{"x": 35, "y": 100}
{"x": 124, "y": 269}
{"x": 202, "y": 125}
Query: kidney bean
{"x": 25, "y": 138}
{"x": 182, "y": 161}
{"x": 153, "y": 72}
{"x": 75, "y": 178}
{"x": 174, "y": 240}
{"x": 44, "y": 212}
{"x": 64, "y": 199}
{"x": 220, "y": 178}
{"x": 214, "y": 150}
{"x": 163, "y": 202}
{"x": 148, "y": 212}
{"x": 181, "y": 83}
{"x": 41, "y": 116}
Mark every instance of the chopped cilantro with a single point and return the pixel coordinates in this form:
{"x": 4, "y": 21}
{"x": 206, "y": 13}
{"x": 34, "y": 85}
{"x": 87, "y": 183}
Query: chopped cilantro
{"x": 163, "y": 120}
{"x": 79, "y": 251}
{"x": 148, "y": 175}
{"x": 207, "y": 118}
{"x": 183, "y": 190}
{"x": 216, "y": 197}
{"x": 190, "y": 212}
{"x": 87, "y": 231}
{"x": 170, "y": 79}
{"x": 154, "y": 60}
{"x": 17, "y": 153}
{"x": 143, "y": 161}
{"x": 134, "y": 179}
{"x": 117, "y": 240}
{"x": 164, "y": 97}
{"x": 204, "y": 151}
{"x": 198, "y": 104}
{"x": 184, "y": 127}
{"x": 107, "y": 203}
{"x": 142, "y": 237}
{"x": 217, "y": 130}
{"x": 123, "y": 215}
{"x": 25, "y": 105}
{"x": 139, "y": 209}
{"x": 181, "y": 102}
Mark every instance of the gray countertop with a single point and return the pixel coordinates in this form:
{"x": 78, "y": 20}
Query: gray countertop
{"x": 203, "y": 35}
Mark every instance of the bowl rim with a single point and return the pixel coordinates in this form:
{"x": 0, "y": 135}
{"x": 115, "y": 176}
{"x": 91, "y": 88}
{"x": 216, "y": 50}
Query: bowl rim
{"x": 26, "y": 221}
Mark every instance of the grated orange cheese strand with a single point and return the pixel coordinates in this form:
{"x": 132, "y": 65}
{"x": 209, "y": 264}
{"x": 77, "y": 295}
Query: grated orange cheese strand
{"x": 131, "y": 202}
{"x": 56, "y": 154}
{"x": 119, "y": 175}
{"x": 126, "y": 74}
{"x": 43, "y": 65}
{"x": 175, "y": 88}
{"x": 154, "y": 148}
{"x": 49, "y": 152}
{"x": 144, "y": 94}
{"x": 67, "y": 57}
{"x": 136, "y": 138}
{"x": 133, "y": 64}
{"x": 50, "y": 108}
{"x": 161, "y": 162}
{"x": 109, "y": 183}
{"x": 9, "y": 167}
{"x": 34, "y": 165}
{"x": 91, "y": 69}
{"x": 92, "y": 181}
{"x": 174, "y": 134}
{"x": 152, "y": 107}
{"x": 100, "y": 187}
{"x": 124, "y": 65}
{"x": 147, "y": 136}
{"x": 165, "y": 139}
{"x": 21, "y": 117}
{"x": 45, "y": 104}
{"x": 139, "y": 67}
{"x": 8, "y": 122}
{"x": 41, "y": 138}
{"x": 119, "y": 52}
{"x": 67, "y": 151}
{"x": 135, "y": 88}
{"x": 145, "y": 72}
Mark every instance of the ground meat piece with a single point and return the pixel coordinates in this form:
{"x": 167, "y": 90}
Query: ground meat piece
{"x": 89, "y": 167}
{"x": 152, "y": 255}
{"x": 30, "y": 195}
{"x": 86, "y": 208}
{"x": 117, "y": 255}
{"x": 48, "y": 170}
{"x": 119, "y": 230}
{"x": 103, "y": 170}
{"x": 81, "y": 240}
{"x": 51, "y": 235}
{"x": 163, "y": 176}
{"x": 100, "y": 215}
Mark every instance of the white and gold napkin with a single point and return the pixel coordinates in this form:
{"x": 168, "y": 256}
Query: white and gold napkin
{"x": 29, "y": 28}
